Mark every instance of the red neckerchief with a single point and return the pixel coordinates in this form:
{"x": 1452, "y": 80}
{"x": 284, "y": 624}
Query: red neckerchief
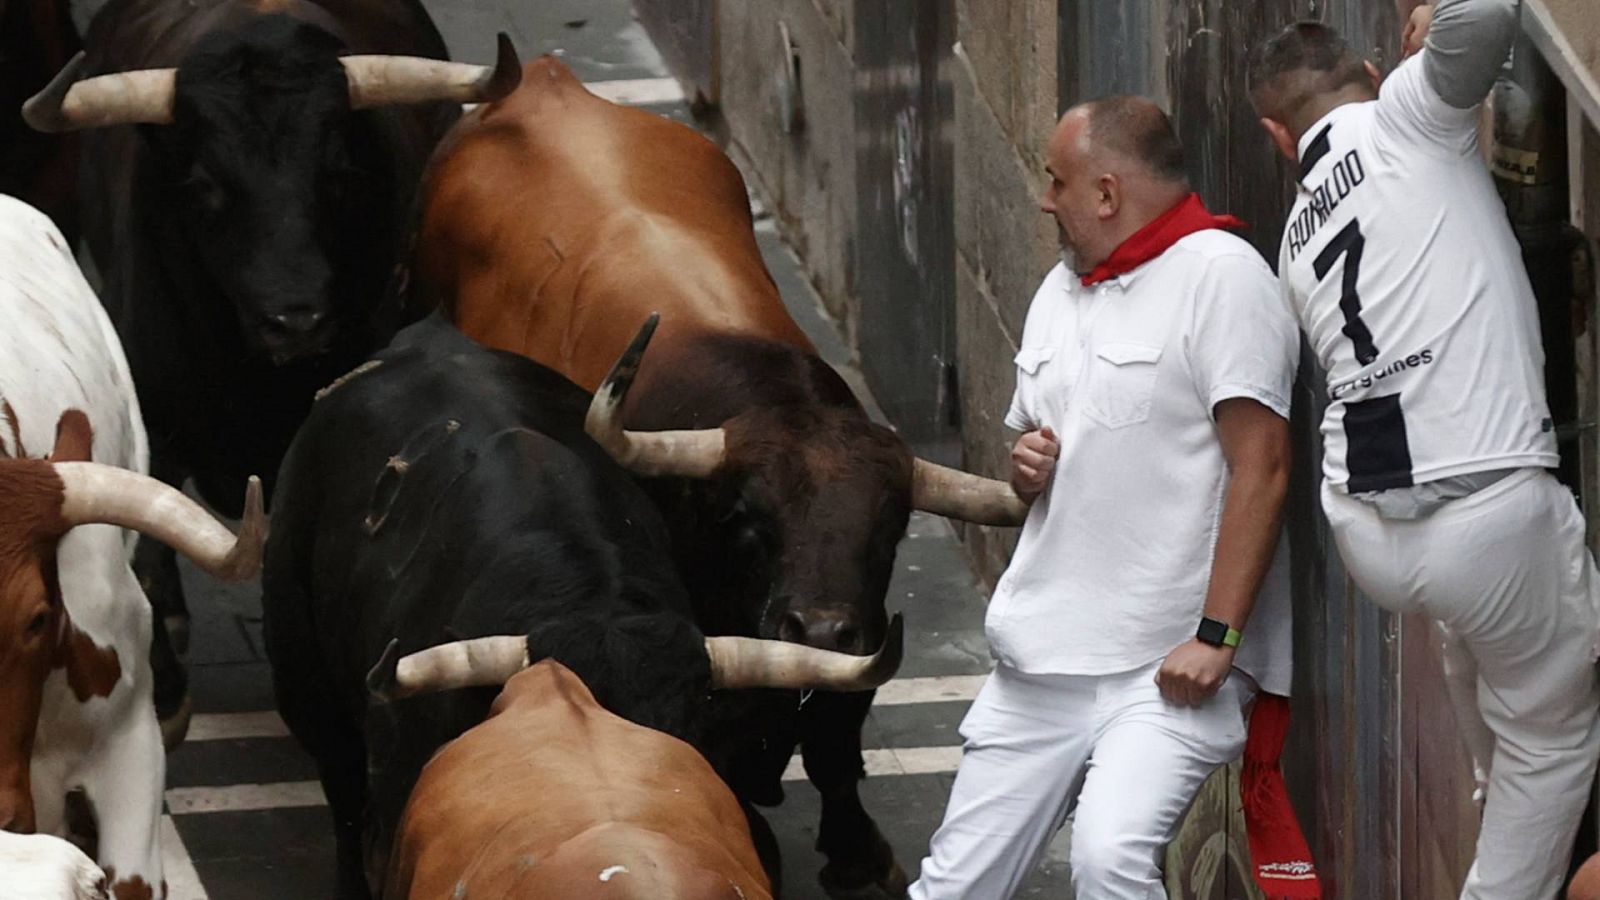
{"x": 1185, "y": 218}
{"x": 1278, "y": 849}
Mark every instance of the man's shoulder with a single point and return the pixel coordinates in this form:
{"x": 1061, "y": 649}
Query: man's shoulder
{"x": 1217, "y": 250}
{"x": 1054, "y": 279}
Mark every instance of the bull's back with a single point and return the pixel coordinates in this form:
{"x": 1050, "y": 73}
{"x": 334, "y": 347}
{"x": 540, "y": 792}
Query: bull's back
{"x": 555, "y": 222}
{"x": 553, "y": 797}
{"x": 128, "y": 34}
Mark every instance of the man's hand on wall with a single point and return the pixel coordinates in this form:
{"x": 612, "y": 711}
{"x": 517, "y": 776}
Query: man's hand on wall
{"x": 1416, "y": 30}
{"x": 1194, "y": 672}
{"x": 1032, "y": 460}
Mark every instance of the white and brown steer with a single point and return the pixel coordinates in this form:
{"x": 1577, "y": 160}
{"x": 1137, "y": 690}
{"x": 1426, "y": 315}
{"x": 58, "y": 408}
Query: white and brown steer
{"x": 75, "y": 705}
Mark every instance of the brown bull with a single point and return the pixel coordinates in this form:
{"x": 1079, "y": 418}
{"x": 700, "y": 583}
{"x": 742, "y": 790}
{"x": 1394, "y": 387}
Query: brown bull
{"x": 554, "y": 798}
{"x": 554, "y": 223}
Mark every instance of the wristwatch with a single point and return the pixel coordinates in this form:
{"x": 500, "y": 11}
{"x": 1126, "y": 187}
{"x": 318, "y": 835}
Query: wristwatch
{"x": 1218, "y": 633}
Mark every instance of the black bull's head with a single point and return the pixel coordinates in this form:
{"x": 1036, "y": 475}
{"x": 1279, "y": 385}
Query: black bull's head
{"x": 261, "y": 169}
{"x": 819, "y": 499}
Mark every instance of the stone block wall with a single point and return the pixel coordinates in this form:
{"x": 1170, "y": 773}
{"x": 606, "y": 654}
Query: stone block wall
{"x": 1004, "y": 74}
{"x": 807, "y": 178}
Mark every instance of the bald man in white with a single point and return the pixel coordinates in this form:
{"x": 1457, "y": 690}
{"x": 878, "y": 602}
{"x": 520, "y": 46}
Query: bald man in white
{"x": 1153, "y": 394}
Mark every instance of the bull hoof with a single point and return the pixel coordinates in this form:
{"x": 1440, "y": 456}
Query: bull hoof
{"x": 175, "y": 727}
{"x": 892, "y": 886}
{"x": 178, "y": 632}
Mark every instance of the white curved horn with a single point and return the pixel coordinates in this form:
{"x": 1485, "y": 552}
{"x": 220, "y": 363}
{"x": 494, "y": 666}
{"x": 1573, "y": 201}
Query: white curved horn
{"x": 686, "y": 454}
{"x": 382, "y": 80}
{"x": 480, "y": 662}
{"x": 101, "y": 494}
{"x": 67, "y": 104}
{"x": 739, "y": 662}
{"x": 965, "y": 496}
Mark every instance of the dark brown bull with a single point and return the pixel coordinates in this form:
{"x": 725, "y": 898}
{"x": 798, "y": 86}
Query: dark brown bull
{"x": 36, "y": 40}
{"x": 554, "y": 223}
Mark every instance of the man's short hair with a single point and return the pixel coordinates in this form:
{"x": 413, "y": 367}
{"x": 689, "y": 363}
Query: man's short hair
{"x": 1302, "y": 61}
{"x": 1136, "y": 129}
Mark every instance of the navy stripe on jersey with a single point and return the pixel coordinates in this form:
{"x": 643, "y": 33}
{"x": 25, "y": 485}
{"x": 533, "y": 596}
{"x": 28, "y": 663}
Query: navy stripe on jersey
{"x": 1317, "y": 149}
{"x": 1377, "y": 454}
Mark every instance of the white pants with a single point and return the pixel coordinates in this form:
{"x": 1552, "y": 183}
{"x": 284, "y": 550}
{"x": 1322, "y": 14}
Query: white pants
{"x": 1508, "y": 571}
{"x": 1036, "y": 745}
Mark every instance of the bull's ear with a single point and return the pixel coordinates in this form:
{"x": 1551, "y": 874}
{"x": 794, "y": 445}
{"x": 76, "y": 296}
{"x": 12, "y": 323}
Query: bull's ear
{"x": 74, "y": 438}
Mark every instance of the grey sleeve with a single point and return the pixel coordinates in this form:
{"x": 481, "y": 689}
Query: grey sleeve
{"x": 1466, "y": 46}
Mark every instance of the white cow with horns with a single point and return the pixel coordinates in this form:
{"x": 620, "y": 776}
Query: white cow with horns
{"x": 75, "y": 705}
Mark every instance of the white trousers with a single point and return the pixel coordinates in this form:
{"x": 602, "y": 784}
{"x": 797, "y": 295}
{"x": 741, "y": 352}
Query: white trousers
{"x": 1036, "y": 745}
{"x": 1508, "y": 571}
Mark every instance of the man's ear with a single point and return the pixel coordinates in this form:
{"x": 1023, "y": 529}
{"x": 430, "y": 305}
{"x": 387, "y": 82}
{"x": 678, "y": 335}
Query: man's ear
{"x": 1372, "y": 73}
{"x": 1281, "y": 138}
{"x": 1108, "y": 195}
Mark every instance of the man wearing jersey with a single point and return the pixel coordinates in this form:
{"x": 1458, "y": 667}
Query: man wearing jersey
{"x": 1399, "y": 262}
{"x": 1152, "y": 394}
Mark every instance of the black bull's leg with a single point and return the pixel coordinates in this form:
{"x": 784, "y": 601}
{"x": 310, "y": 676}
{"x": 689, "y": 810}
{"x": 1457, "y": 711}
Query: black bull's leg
{"x": 861, "y": 863}
{"x": 156, "y": 566}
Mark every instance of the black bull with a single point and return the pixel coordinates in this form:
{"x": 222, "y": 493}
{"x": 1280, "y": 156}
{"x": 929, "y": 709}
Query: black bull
{"x": 449, "y": 492}
{"x": 245, "y": 222}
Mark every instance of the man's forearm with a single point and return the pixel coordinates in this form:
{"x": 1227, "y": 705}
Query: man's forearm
{"x": 1252, "y": 516}
{"x": 1466, "y": 46}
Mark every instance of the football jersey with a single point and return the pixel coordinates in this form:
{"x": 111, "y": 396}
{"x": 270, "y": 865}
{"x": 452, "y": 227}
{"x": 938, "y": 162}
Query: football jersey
{"x": 1401, "y": 266}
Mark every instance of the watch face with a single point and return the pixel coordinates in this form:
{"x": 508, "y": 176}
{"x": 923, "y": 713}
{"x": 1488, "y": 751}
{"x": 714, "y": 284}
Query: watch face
{"x": 1212, "y": 632}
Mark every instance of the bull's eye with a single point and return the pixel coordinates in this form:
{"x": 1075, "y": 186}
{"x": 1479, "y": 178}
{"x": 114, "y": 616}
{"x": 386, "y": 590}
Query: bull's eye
{"x": 37, "y": 624}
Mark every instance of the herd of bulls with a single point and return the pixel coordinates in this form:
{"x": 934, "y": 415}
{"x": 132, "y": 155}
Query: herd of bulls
{"x": 540, "y": 642}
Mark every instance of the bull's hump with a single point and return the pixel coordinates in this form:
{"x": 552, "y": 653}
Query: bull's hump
{"x": 549, "y": 73}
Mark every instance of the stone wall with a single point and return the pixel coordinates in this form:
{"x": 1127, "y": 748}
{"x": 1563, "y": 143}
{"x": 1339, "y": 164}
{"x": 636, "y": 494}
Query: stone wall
{"x": 807, "y": 178}
{"x": 1004, "y": 75}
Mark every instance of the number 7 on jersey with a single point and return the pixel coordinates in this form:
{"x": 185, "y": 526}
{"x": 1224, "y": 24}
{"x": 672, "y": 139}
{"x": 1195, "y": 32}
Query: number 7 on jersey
{"x": 1349, "y": 243}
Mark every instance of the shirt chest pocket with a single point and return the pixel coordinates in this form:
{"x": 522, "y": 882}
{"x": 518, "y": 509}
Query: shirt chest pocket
{"x": 1029, "y": 410}
{"x": 1030, "y": 360}
{"x": 1122, "y": 381}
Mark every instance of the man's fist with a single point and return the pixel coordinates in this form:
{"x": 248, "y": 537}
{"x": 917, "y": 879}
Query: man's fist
{"x": 1032, "y": 461}
{"x": 1416, "y": 30}
{"x": 1192, "y": 673}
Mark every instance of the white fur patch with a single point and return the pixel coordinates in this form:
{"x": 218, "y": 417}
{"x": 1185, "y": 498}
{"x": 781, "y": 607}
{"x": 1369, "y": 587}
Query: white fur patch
{"x": 612, "y": 872}
{"x": 41, "y": 867}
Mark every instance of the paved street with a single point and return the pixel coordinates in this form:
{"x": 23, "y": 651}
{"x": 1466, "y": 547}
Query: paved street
{"x": 246, "y": 812}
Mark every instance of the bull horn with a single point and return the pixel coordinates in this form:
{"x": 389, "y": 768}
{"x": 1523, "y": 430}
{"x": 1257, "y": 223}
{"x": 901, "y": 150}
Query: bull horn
{"x": 686, "y": 454}
{"x": 740, "y": 662}
{"x": 100, "y": 494}
{"x": 480, "y": 662}
{"x": 379, "y": 80}
{"x": 67, "y": 104}
{"x": 962, "y": 495}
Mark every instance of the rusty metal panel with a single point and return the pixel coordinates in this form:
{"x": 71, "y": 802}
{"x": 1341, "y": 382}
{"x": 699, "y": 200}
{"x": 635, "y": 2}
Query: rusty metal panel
{"x": 905, "y": 239}
{"x": 1110, "y": 48}
{"x": 686, "y": 33}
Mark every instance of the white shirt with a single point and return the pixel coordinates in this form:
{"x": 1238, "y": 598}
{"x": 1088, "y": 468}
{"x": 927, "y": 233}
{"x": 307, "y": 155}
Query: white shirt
{"x": 1433, "y": 362}
{"x": 1114, "y": 561}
